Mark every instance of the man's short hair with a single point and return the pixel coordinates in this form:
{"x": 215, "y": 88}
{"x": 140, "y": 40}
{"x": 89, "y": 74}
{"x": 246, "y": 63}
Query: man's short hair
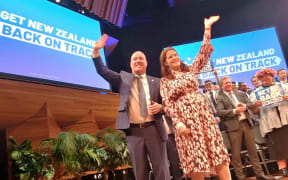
{"x": 240, "y": 83}
{"x": 208, "y": 81}
{"x": 222, "y": 79}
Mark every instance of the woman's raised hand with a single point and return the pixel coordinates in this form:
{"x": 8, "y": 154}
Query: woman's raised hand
{"x": 210, "y": 21}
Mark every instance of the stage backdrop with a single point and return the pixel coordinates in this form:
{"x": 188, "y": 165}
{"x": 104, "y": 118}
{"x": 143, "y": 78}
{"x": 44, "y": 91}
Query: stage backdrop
{"x": 239, "y": 56}
{"x": 45, "y": 41}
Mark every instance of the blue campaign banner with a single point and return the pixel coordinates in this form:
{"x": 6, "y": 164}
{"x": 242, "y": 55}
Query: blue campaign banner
{"x": 239, "y": 56}
{"x": 270, "y": 95}
{"x": 41, "y": 39}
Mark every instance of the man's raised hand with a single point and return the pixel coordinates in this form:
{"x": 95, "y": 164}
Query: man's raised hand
{"x": 99, "y": 45}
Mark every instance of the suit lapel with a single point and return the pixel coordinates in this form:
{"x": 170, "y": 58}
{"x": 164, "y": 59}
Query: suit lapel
{"x": 151, "y": 86}
{"x": 238, "y": 96}
{"x": 130, "y": 80}
{"x": 228, "y": 99}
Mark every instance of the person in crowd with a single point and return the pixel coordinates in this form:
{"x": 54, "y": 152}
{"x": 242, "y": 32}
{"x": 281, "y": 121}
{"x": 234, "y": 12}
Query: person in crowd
{"x": 234, "y": 86}
{"x": 232, "y": 109}
{"x": 282, "y": 76}
{"x": 255, "y": 82}
{"x": 243, "y": 88}
{"x": 139, "y": 113}
{"x": 255, "y": 117}
{"x": 215, "y": 86}
{"x": 198, "y": 139}
{"x": 273, "y": 117}
{"x": 210, "y": 95}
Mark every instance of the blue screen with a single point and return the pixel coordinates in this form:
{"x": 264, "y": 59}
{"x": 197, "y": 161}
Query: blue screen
{"x": 40, "y": 39}
{"x": 239, "y": 56}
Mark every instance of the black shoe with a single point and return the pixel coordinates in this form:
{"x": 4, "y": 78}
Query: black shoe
{"x": 284, "y": 172}
{"x": 264, "y": 177}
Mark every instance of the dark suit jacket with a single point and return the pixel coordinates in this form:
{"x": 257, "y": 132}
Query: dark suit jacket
{"x": 169, "y": 123}
{"x": 123, "y": 81}
{"x": 225, "y": 108}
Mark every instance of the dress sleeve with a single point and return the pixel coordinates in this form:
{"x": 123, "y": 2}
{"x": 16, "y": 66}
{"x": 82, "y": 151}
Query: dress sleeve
{"x": 169, "y": 103}
{"x": 204, "y": 54}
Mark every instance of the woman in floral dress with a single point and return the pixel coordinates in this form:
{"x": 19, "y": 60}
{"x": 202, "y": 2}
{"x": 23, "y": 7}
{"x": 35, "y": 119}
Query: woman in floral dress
{"x": 199, "y": 141}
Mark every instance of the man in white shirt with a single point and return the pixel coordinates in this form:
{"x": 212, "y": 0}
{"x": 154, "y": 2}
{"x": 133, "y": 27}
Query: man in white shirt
{"x": 139, "y": 113}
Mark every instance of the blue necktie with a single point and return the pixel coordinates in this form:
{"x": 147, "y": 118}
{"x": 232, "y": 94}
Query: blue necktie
{"x": 142, "y": 98}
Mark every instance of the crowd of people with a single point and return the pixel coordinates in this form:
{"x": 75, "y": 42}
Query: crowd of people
{"x": 170, "y": 122}
{"x": 238, "y": 120}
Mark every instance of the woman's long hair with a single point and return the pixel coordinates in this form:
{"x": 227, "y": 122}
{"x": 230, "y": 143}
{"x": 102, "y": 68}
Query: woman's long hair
{"x": 165, "y": 70}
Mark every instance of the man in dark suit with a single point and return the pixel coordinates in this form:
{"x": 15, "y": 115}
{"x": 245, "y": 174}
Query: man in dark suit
{"x": 139, "y": 114}
{"x": 232, "y": 109}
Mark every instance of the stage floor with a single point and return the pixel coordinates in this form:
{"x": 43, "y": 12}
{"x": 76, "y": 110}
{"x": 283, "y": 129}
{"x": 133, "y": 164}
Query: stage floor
{"x": 276, "y": 177}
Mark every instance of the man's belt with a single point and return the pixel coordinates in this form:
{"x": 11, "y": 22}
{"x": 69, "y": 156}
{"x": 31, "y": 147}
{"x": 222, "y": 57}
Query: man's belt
{"x": 142, "y": 125}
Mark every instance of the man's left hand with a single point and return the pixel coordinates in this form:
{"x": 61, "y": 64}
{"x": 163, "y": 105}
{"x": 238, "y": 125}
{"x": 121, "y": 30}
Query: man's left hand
{"x": 154, "y": 108}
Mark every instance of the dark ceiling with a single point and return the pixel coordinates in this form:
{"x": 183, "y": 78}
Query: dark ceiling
{"x": 145, "y": 11}
{"x": 151, "y": 25}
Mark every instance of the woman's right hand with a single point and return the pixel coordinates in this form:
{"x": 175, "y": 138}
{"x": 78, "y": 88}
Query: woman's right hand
{"x": 186, "y": 132}
{"x": 99, "y": 45}
{"x": 183, "y": 130}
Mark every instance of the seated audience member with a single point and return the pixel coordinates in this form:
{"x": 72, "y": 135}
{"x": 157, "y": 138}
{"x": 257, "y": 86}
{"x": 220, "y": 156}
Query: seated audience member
{"x": 273, "y": 118}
